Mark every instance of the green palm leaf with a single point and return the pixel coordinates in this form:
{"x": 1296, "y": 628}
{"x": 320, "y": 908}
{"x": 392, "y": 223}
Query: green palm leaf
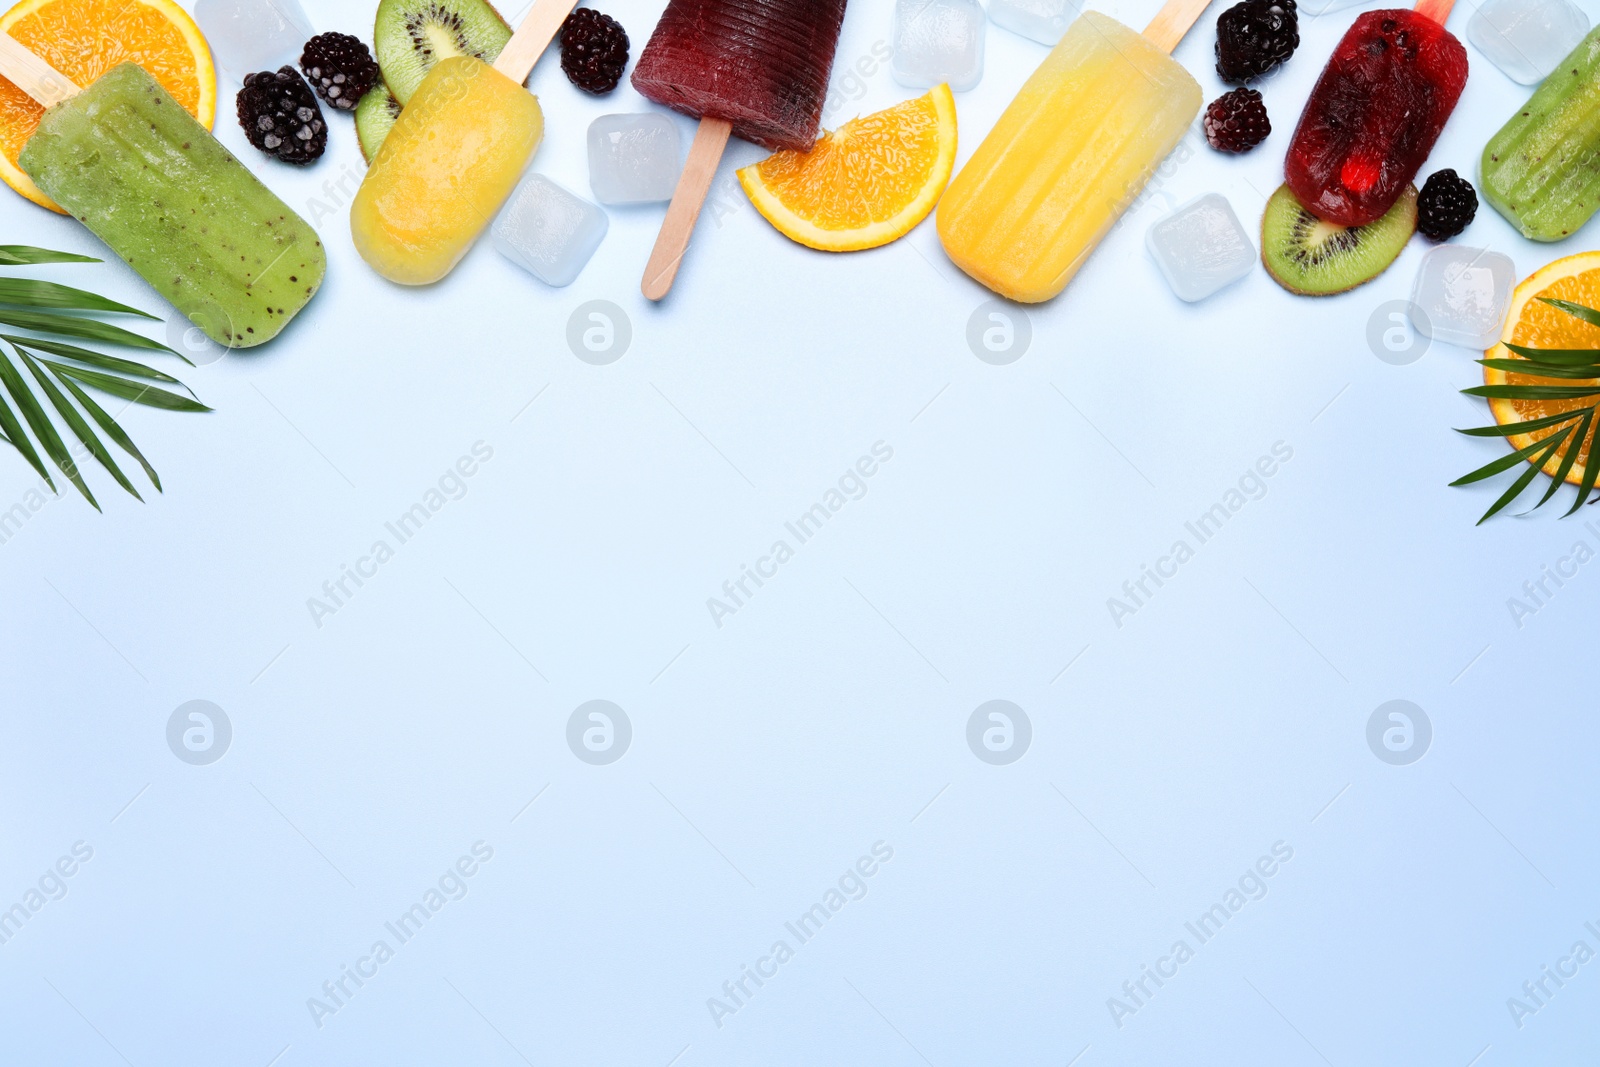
{"x": 19, "y": 441}
{"x": 24, "y": 255}
{"x": 1573, "y": 364}
{"x": 125, "y": 367}
{"x": 1509, "y": 428}
{"x": 1504, "y": 463}
{"x": 1555, "y": 355}
{"x": 1534, "y": 392}
{"x": 1535, "y": 465}
{"x": 137, "y": 392}
{"x": 109, "y": 425}
{"x": 1591, "y": 471}
{"x": 1544, "y": 370}
{"x": 28, "y": 292}
{"x": 1589, "y": 315}
{"x": 1568, "y": 457}
{"x": 43, "y": 429}
{"x": 79, "y": 428}
{"x": 60, "y": 315}
{"x": 72, "y": 326}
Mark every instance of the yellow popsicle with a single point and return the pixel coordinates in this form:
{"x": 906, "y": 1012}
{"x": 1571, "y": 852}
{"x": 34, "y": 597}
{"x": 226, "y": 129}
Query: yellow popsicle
{"x": 1067, "y": 158}
{"x": 454, "y": 155}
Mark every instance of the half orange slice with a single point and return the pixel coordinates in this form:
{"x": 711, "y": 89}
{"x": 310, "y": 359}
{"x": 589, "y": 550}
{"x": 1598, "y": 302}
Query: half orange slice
{"x": 866, "y": 183}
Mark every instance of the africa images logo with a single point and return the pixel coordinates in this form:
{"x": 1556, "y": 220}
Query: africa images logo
{"x": 199, "y": 732}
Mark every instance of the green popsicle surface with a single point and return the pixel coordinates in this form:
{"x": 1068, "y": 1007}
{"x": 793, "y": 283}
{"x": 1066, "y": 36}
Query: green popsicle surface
{"x": 1542, "y": 170}
{"x": 126, "y": 160}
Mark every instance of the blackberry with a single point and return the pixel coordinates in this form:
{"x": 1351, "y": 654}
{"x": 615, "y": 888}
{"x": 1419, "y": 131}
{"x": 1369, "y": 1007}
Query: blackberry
{"x": 594, "y": 50}
{"x": 280, "y": 115}
{"x": 340, "y": 68}
{"x": 1255, "y": 36}
{"x": 1445, "y": 206}
{"x": 1237, "y": 121}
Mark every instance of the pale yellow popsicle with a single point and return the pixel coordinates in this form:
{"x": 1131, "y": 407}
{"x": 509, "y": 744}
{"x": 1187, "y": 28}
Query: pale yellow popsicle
{"x": 1069, "y": 155}
{"x": 453, "y": 157}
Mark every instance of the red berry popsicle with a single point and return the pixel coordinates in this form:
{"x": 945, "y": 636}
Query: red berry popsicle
{"x": 755, "y": 68}
{"x": 1375, "y": 113}
{"x": 760, "y": 64}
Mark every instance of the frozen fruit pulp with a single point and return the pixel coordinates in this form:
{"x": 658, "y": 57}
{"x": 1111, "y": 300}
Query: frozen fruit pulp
{"x": 761, "y": 65}
{"x": 1374, "y": 115}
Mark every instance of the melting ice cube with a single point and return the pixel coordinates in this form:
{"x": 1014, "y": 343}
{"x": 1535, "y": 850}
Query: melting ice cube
{"x": 1462, "y": 294}
{"x": 249, "y": 36}
{"x": 1201, "y": 247}
{"x": 548, "y": 231}
{"x": 1038, "y": 20}
{"x": 938, "y": 41}
{"x": 634, "y": 159}
{"x": 1527, "y": 39}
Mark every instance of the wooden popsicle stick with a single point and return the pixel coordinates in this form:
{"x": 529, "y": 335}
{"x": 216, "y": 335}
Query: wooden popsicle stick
{"x": 1173, "y": 21}
{"x": 32, "y": 75}
{"x": 1437, "y": 10}
{"x": 539, "y": 27}
{"x": 687, "y": 199}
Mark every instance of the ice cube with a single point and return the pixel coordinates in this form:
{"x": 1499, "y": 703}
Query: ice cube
{"x": 548, "y": 231}
{"x": 1201, "y": 247}
{"x": 1462, "y": 294}
{"x": 248, "y": 36}
{"x": 1038, "y": 20}
{"x": 634, "y": 159}
{"x": 938, "y": 41}
{"x": 1527, "y": 39}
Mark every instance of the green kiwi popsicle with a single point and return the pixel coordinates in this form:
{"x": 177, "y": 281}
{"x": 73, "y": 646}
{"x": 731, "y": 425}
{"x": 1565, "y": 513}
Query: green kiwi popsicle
{"x": 1542, "y": 170}
{"x": 126, "y": 160}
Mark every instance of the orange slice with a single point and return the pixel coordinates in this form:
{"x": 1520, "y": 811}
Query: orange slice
{"x": 866, "y": 183}
{"x": 1538, "y": 325}
{"x": 85, "y": 38}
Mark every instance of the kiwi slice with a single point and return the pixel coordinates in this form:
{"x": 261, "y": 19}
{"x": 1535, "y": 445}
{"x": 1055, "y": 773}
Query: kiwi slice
{"x": 1314, "y": 258}
{"x": 375, "y": 116}
{"x": 412, "y": 35}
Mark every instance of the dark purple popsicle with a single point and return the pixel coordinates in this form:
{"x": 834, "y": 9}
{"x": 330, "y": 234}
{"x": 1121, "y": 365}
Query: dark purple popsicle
{"x": 761, "y": 65}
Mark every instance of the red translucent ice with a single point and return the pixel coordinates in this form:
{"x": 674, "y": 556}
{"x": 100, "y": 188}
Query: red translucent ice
{"x": 1374, "y": 115}
{"x": 762, "y": 65}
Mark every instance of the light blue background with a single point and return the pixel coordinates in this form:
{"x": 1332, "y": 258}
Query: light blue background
{"x": 830, "y": 712}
